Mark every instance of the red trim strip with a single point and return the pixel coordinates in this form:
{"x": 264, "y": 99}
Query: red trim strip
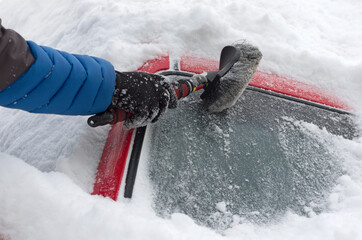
{"x": 270, "y": 82}
{"x": 156, "y": 65}
{"x": 198, "y": 65}
{"x": 114, "y": 158}
{"x": 113, "y": 162}
{"x": 297, "y": 89}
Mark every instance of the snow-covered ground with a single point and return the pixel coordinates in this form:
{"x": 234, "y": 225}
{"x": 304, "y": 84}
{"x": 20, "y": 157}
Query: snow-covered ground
{"x": 47, "y": 163}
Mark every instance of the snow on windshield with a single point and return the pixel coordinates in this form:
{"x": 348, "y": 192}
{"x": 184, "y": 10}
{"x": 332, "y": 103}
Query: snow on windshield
{"x": 249, "y": 164}
{"x": 47, "y": 163}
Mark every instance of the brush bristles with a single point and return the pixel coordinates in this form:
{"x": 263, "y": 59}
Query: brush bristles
{"x": 233, "y": 84}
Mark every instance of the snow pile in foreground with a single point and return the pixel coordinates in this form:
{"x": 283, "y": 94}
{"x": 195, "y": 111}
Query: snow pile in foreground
{"x": 313, "y": 41}
{"x": 38, "y": 205}
{"x": 41, "y": 205}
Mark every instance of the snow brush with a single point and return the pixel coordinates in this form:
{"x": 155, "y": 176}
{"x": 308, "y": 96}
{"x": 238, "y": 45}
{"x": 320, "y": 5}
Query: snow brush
{"x": 222, "y": 88}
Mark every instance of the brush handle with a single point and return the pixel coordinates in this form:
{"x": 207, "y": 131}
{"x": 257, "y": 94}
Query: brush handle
{"x": 111, "y": 116}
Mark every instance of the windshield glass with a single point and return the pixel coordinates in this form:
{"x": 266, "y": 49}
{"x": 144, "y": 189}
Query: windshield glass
{"x": 251, "y": 163}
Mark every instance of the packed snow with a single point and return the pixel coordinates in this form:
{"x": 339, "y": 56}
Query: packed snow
{"x": 48, "y": 162}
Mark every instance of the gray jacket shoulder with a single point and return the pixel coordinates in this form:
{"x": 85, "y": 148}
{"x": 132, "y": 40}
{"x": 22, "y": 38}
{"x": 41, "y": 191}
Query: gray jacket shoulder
{"x": 15, "y": 56}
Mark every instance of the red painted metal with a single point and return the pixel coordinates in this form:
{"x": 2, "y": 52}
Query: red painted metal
{"x": 296, "y": 89}
{"x": 270, "y": 82}
{"x": 113, "y": 162}
{"x": 156, "y": 65}
{"x": 115, "y": 152}
{"x": 198, "y": 65}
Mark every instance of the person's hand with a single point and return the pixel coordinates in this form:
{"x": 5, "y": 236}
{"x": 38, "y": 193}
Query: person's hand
{"x": 145, "y": 97}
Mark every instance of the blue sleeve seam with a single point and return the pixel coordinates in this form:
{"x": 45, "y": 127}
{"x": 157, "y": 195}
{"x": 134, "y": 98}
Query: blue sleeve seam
{"x": 64, "y": 82}
{"x": 80, "y": 88}
{"x": 100, "y": 85}
{"x": 26, "y": 95}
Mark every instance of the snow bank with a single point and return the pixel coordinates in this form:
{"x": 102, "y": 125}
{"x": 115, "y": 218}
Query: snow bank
{"x": 313, "y": 41}
{"x": 38, "y": 205}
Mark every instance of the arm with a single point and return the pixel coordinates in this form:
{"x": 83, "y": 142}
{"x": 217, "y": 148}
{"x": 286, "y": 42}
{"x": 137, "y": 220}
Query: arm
{"x": 44, "y": 80}
{"x": 41, "y": 79}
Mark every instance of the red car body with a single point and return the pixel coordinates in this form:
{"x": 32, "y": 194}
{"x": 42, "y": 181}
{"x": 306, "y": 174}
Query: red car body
{"x": 113, "y": 163}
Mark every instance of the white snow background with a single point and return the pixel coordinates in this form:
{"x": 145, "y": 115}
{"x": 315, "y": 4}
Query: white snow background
{"x": 47, "y": 162}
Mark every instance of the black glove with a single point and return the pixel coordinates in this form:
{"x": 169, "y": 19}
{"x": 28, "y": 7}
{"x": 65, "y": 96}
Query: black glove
{"x": 146, "y": 96}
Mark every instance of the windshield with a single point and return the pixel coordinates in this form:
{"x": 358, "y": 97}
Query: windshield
{"x": 252, "y": 163}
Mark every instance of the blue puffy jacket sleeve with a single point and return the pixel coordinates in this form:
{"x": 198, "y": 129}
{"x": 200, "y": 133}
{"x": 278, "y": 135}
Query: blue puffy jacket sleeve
{"x": 61, "y": 83}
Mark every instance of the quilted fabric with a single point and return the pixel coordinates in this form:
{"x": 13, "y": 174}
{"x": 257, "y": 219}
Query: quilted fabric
{"x": 62, "y": 83}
